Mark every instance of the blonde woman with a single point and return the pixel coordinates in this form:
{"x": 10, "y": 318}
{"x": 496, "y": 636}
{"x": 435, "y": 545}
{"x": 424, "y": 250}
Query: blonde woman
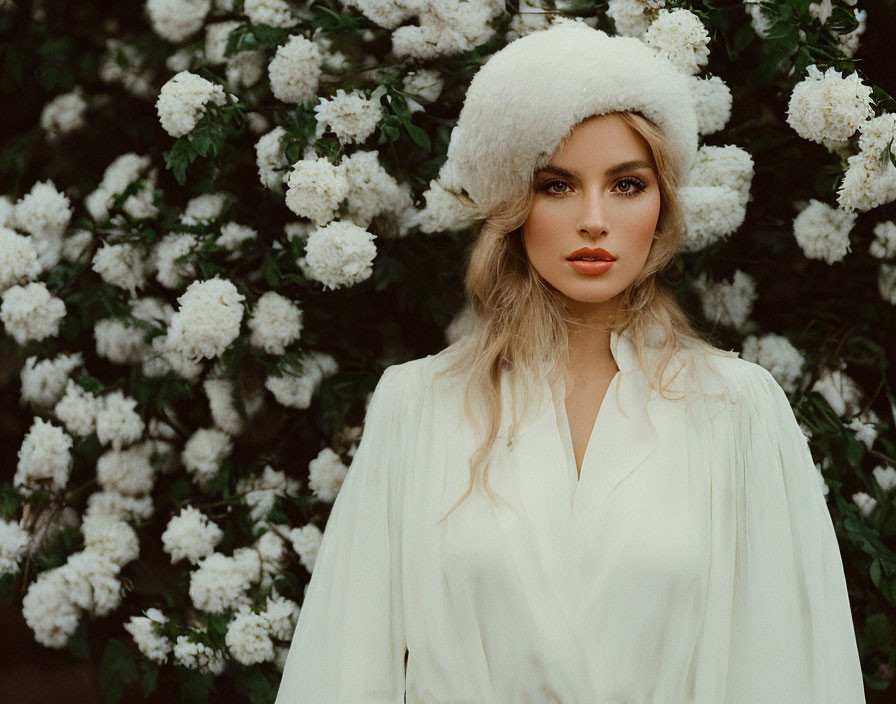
{"x": 580, "y": 501}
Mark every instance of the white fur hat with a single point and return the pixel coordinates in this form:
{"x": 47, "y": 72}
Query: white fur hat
{"x": 529, "y": 95}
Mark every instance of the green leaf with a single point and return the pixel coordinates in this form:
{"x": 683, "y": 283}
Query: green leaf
{"x": 90, "y": 383}
{"x": 9, "y": 501}
{"x": 418, "y": 135}
{"x": 118, "y": 670}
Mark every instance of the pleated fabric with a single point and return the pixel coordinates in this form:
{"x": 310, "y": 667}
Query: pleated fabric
{"x": 694, "y": 560}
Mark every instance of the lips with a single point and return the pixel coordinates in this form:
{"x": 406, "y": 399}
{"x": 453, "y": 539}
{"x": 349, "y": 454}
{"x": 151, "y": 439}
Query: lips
{"x": 586, "y": 253}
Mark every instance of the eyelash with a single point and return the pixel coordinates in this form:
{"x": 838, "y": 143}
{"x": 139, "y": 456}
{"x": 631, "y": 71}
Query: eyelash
{"x": 628, "y": 179}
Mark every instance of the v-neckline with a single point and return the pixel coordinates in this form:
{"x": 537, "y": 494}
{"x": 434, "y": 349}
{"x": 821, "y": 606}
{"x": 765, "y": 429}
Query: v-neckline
{"x": 576, "y": 473}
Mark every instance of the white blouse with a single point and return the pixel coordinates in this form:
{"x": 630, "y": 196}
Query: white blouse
{"x": 694, "y": 561}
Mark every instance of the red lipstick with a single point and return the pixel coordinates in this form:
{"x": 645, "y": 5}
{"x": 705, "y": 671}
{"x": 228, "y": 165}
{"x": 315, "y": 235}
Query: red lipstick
{"x": 590, "y": 261}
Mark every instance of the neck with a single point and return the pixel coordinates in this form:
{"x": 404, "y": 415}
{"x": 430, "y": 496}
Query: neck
{"x": 589, "y": 338}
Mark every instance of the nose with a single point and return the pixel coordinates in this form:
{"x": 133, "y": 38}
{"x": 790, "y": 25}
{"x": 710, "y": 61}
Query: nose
{"x": 592, "y": 216}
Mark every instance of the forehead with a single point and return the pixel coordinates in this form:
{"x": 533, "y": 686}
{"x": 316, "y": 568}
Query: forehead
{"x": 602, "y": 139}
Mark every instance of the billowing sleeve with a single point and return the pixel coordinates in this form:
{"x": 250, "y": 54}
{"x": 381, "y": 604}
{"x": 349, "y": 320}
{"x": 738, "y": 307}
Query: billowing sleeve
{"x": 349, "y": 643}
{"x": 792, "y": 636}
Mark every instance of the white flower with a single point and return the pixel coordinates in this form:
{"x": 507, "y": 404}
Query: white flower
{"x": 76, "y": 245}
{"x": 48, "y": 611}
{"x": 13, "y": 543}
{"x": 710, "y": 214}
{"x": 350, "y": 116}
{"x": 445, "y": 28}
{"x": 219, "y": 584}
{"x": 224, "y": 413}
{"x": 216, "y": 35}
{"x": 248, "y": 639}
{"x": 712, "y": 103}
{"x": 169, "y": 271}
{"x": 828, "y": 106}
{"x": 176, "y": 20}
{"x": 885, "y": 477}
{"x": 44, "y": 381}
{"x": 840, "y": 391}
{"x": 865, "y": 502}
{"x": 886, "y": 282}
{"x": 884, "y": 244}
{"x": 385, "y": 13}
{"x": 118, "y": 341}
{"x": 245, "y": 69}
{"x": 316, "y": 187}
{"x": 727, "y": 303}
{"x": 326, "y": 473}
{"x": 870, "y": 179}
{"x": 296, "y": 389}
{"x": 261, "y": 491}
{"x": 92, "y": 582}
{"x": 127, "y": 471}
{"x": 271, "y": 159}
{"x": 18, "y": 259}
{"x": 633, "y": 17}
{"x": 148, "y": 640}
{"x": 727, "y": 167}
{"x": 271, "y": 550}
{"x": 77, "y": 409}
{"x": 233, "y": 235}
{"x": 339, "y": 254}
{"x": 31, "y": 312}
{"x": 306, "y": 542}
{"x": 276, "y": 323}
{"x": 183, "y": 100}
{"x": 63, "y": 114}
{"x": 274, "y": 13}
{"x": 161, "y": 360}
{"x": 121, "y": 265}
{"x": 43, "y": 212}
{"x": 864, "y": 426}
{"x": 822, "y": 232}
{"x": 281, "y": 615}
{"x": 120, "y": 174}
{"x": 45, "y": 458}
{"x": 110, "y": 538}
{"x": 191, "y": 535}
{"x": 849, "y": 43}
{"x": 123, "y": 63}
{"x": 204, "y": 208}
{"x": 258, "y": 123}
{"x": 204, "y": 452}
{"x": 113, "y": 504}
{"x": 295, "y": 70}
{"x": 424, "y": 83}
{"x": 778, "y": 355}
{"x": 117, "y": 421}
{"x": 198, "y": 656}
{"x": 207, "y": 320}
{"x": 371, "y": 190}
{"x": 679, "y": 36}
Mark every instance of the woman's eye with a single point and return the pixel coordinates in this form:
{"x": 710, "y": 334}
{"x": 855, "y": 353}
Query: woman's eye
{"x": 630, "y": 186}
{"x": 550, "y": 186}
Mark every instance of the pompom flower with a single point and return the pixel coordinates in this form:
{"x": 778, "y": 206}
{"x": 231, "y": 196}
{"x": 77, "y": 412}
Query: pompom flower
{"x": 339, "y": 254}
{"x": 183, "y": 100}
{"x": 827, "y": 106}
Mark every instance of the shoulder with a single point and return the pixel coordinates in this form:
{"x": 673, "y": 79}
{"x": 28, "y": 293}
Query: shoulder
{"x": 417, "y": 375}
{"x": 719, "y": 373}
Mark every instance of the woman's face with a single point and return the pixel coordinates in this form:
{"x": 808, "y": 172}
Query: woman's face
{"x": 600, "y": 190}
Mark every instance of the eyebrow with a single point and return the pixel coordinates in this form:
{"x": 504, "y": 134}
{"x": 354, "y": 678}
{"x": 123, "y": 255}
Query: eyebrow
{"x": 619, "y": 168}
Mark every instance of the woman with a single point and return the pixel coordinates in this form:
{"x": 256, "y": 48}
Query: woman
{"x": 579, "y": 501}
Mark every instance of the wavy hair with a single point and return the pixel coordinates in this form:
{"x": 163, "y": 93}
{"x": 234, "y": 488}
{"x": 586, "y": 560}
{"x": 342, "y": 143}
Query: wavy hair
{"x": 521, "y": 324}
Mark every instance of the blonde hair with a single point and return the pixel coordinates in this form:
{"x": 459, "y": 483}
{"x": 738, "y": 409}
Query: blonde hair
{"x": 521, "y": 324}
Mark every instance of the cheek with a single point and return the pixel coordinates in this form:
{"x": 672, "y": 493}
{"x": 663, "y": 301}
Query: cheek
{"x": 538, "y": 231}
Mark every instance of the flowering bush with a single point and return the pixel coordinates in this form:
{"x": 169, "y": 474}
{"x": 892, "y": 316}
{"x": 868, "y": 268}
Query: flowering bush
{"x": 220, "y": 223}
